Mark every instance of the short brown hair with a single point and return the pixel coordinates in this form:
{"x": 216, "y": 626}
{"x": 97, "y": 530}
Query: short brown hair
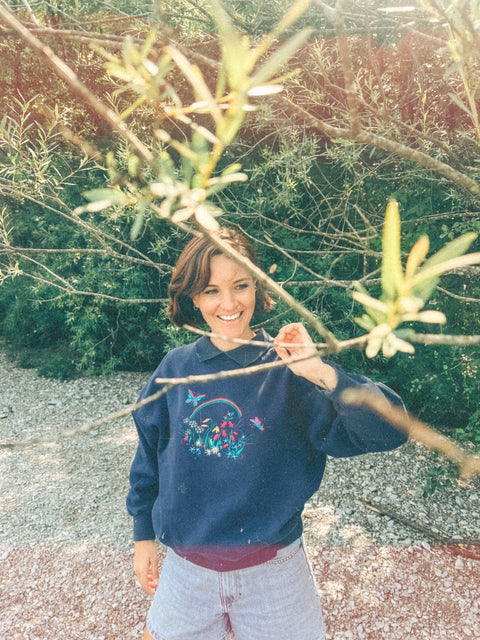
{"x": 192, "y": 274}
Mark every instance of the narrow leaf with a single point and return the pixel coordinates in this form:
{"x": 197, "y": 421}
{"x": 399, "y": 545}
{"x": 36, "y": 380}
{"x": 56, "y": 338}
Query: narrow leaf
{"x": 92, "y": 207}
{"x": 265, "y": 90}
{"x": 195, "y": 78}
{"x": 454, "y": 98}
{"x": 290, "y": 17}
{"x": 274, "y": 62}
{"x": 454, "y": 249}
{"x": 417, "y": 255}
{"x": 148, "y": 43}
{"x": 426, "y": 274}
{"x": 392, "y": 275}
{"x": 234, "y": 48}
{"x": 137, "y": 225}
{"x": 232, "y": 168}
{"x": 113, "y": 196}
{"x": 204, "y": 217}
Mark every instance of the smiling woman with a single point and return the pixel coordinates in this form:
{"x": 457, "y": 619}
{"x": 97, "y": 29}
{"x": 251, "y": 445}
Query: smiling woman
{"x": 193, "y": 276}
{"x": 224, "y": 467}
{"x": 228, "y": 302}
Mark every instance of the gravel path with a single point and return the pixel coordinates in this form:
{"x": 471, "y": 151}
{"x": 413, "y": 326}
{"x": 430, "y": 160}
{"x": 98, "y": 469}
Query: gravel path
{"x": 65, "y": 537}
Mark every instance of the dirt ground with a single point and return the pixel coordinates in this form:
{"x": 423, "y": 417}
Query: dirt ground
{"x": 72, "y": 592}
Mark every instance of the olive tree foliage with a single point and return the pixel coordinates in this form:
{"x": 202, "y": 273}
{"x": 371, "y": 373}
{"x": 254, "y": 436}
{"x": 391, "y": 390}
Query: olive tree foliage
{"x": 296, "y": 122}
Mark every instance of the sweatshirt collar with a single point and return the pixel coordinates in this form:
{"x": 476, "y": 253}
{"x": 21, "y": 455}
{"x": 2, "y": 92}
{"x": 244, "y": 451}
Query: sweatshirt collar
{"x": 244, "y": 355}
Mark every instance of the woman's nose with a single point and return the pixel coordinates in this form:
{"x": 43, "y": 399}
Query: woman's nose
{"x": 228, "y": 300}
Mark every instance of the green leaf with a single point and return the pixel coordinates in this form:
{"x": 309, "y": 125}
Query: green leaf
{"x": 425, "y": 279}
{"x": 454, "y": 98}
{"x": 290, "y": 17}
{"x": 215, "y": 185}
{"x": 194, "y": 76}
{"x": 365, "y": 322}
{"x": 453, "y": 249}
{"x": 232, "y": 168}
{"x": 280, "y": 57}
{"x": 148, "y": 43}
{"x": 376, "y": 309}
{"x": 137, "y": 225}
{"x": 425, "y": 276}
{"x": 417, "y": 255}
{"x": 113, "y": 196}
{"x": 234, "y": 47}
{"x": 392, "y": 274}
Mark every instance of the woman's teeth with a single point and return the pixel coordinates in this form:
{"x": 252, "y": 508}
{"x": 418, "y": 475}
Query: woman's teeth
{"x": 234, "y": 317}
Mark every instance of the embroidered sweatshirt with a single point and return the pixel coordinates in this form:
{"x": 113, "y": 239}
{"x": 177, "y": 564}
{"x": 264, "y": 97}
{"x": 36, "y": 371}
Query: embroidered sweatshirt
{"x": 224, "y": 468}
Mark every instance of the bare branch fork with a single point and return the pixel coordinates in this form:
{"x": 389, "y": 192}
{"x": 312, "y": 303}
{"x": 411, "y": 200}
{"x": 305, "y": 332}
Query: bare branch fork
{"x": 355, "y": 131}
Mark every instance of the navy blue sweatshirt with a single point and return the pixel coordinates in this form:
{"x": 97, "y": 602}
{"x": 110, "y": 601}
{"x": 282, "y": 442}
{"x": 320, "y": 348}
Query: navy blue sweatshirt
{"x": 223, "y": 469}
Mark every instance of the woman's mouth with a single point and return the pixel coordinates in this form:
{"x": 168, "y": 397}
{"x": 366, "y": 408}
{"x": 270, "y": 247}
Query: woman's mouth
{"x": 231, "y": 318}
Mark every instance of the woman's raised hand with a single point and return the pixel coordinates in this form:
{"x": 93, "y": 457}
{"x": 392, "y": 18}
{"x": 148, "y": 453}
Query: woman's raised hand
{"x": 294, "y": 340}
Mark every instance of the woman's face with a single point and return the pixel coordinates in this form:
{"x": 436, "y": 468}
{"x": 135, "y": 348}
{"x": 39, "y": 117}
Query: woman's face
{"x": 228, "y": 301}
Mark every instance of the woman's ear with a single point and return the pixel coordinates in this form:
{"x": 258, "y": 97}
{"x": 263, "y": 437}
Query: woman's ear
{"x": 194, "y": 300}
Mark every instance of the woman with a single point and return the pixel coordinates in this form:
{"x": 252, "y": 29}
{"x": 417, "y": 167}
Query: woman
{"x": 223, "y": 468}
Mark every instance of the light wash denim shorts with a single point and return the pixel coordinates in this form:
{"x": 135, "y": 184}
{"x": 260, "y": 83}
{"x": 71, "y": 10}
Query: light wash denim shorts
{"x": 276, "y": 600}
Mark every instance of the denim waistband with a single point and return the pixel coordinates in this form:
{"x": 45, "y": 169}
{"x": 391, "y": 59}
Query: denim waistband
{"x": 237, "y": 558}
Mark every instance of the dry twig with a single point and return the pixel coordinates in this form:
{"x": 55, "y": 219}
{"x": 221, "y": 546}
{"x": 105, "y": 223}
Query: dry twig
{"x": 469, "y": 465}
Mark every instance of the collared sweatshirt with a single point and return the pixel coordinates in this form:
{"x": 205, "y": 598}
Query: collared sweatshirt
{"x": 223, "y": 468}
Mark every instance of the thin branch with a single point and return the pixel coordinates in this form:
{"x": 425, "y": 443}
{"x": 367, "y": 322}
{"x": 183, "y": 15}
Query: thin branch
{"x": 241, "y": 341}
{"x": 417, "y": 526}
{"x": 234, "y": 373}
{"x": 168, "y": 384}
{"x": 272, "y": 286}
{"x": 337, "y": 17}
{"x": 101, "y": 236}
{"x": 469, "y": 465}
{"x": 71, "y": 291}
{"x": 77, "y": 86}
{"x": 30, "y": 12}
{"x": 85, "y": 427}
{"x": 391, "y": 146}
{"x": 456, "y": 296}
{"x": 432, "y": 339}
{"x": 113, "y": 41}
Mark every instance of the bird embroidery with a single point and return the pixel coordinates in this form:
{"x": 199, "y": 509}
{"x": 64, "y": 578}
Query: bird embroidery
{"x": 257, "y": 422}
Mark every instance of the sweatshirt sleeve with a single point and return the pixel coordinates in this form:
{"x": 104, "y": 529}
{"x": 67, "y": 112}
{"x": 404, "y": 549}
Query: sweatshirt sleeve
{"x": 342, "y": 430}
{"x": 153, "y": 430}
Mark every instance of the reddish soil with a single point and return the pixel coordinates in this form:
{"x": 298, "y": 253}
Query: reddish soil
{"x": 50, "y": 592}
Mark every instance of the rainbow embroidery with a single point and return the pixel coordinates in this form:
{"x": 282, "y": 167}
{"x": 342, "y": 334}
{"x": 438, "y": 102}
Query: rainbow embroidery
{"x": 215, "y": 401}
{"x": 217, "y": 431}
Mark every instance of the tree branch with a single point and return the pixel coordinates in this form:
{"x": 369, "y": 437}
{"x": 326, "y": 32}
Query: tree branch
{"x": 380, "y": 142}
{"x": 469, "y": 465}
{"x": 274, "y": 287}
{"x": 432, "y": 533}
{"x": 77, "y": 86}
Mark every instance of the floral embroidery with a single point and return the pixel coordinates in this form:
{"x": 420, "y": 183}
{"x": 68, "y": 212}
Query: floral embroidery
{"x": 219, "y": 434}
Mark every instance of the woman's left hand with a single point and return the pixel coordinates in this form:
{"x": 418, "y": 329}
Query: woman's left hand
{"x": 313, "y": 368}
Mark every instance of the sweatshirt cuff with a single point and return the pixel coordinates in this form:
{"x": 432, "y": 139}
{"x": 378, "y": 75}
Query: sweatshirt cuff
{"x": 143, "y": 528}
{"x": 344, "y": 381}
{"x": 348, "y": 381}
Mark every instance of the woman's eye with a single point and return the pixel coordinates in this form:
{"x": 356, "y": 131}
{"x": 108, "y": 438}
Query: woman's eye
{"x": 242, "y": 286}
{"x": 210, "y": 292}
